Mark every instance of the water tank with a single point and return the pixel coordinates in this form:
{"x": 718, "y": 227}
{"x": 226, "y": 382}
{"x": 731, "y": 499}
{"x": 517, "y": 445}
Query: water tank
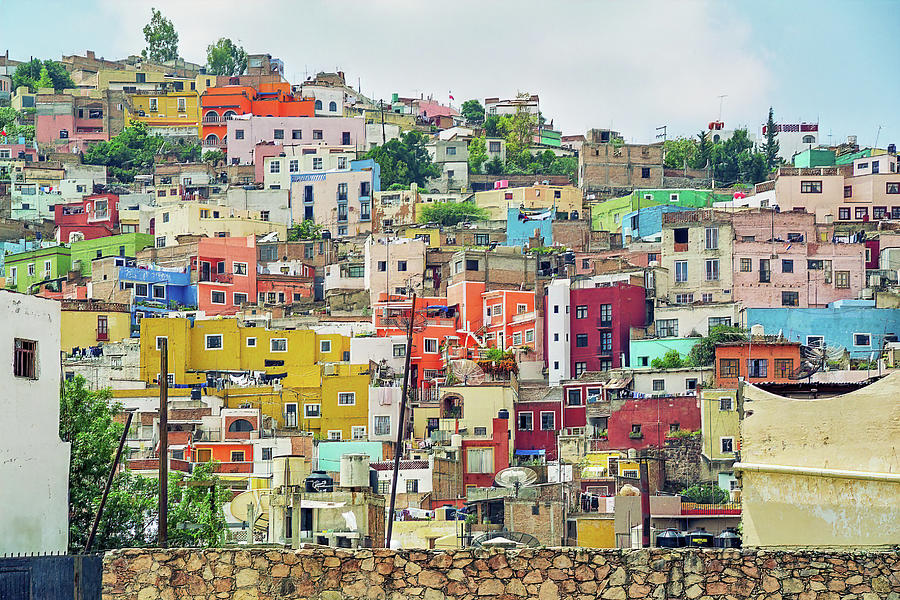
{"x": 455, "y": 440}
{"x": 670, "y": 538}
{"x": 892, "y": 148}
{"x": 196, "y": 393}
{"x": 289, "y": 470}
{"x": 355, "y": 470}
{"x": 728, "y": 539}
{"x": 319, "y": 481}
{"x": 503, "y": 414}
{"x": 699, "y": 538}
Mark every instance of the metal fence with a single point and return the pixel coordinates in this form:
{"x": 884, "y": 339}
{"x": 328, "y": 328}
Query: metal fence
{"x": 50, "y": 577}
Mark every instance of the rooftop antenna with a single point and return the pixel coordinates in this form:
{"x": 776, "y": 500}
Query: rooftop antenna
{"x": 877, "y": 135}
{"x": 721, "y": 100}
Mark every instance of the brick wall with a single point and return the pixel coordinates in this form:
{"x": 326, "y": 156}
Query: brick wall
{"x": 547, "y": 573}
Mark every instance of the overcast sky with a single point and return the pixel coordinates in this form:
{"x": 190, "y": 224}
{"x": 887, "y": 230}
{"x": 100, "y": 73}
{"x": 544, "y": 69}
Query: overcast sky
{"x": 628, "y": 65}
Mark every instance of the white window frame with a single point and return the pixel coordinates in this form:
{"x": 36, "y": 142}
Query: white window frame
{"x": 809, "y": 338}
{"x": 355, "y": 431}
{"x": 529, "y": 335}
{"x": 375, "y": 424}
{"x": 224, "y": 297}
{"x": 234, "y": 298}
{"x": 487, "y": 467}
{"x": 425, "y": 344}
{"x": 517, "y": 338}
{"x": 153, "y": 289}
{"x": 272, "y": 344}
{"x": 207, "y": 337}
{"x": 686, "y": 275}
{"x": 335, "y": 435}
{"x": 324, "y": 346}
{"x": 552, "y": 414}
{"x": 519, "y": 424}
{"x": 868, "y": 335}
{"x": 318, "y": 414}
{"x": 251, "y": 339}
{"x": 160, "y": 337}
{"x": 351, "y": 394}
{"x": 234, "y": 269}
{"x": 722, "y": 439}
{"x": 296, "y": 414}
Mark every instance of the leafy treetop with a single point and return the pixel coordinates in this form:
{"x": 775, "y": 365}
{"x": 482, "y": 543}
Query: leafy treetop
{"x": 36, "y": 74}
{"x": 451, "y": 213}
{"x": 404, "y": 161}
{"x": 161, "y": 38}
{"x": 225, "y": 58}
{"x": 703, "y": 354}
{"x": 473, "y": 111}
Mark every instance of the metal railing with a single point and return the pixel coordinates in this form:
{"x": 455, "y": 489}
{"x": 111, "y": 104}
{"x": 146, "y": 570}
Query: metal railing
{"x": 728, "y": 508}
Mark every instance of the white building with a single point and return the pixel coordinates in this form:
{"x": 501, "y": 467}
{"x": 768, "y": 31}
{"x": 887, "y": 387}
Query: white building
{"x": 671, "y": 382}
{"x": 413, "y": 477}
{"x": 558, "y": 329}
{"x": 34, "y": 462}
{"x": 793, "y": 138}
{"x": 384, "y": 412}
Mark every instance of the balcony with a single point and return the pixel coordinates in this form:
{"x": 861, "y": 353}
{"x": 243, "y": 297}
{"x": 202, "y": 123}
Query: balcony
{"x": 226, "y": 278}
{"x": 601, "y": 351}
{"x": 681, "y": 247}
{"x": 603, "y": 323}
{"x": 726, "y": 509}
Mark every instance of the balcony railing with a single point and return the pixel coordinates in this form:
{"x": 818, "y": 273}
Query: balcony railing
{"x": 603, "y": 322}
{"x": 693, "y": 508}
{"x": 217, "y": 278}
{"x": 681, "y": 247}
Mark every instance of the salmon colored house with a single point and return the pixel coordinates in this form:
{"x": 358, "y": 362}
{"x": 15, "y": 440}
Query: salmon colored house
{"x": 234, "y": 456}
{"x": 227, "y": 274}
{"x": 218, "y": 104}
{"x": 500, "y": 318}
{"x": 756, "y": 362}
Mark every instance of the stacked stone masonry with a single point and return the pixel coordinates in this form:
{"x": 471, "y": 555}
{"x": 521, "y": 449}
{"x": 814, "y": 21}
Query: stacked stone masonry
{"x": 545, "y": 574}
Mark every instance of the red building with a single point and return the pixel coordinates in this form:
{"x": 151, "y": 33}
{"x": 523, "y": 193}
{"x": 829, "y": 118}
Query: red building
{"x": 218, "y": 104}
{"x": 227, "y": 274}
{"x": 88, "y": 219}
{"x": 757, "y": 361}
{"x": 644, "y": 422}
{"x": 285, "y": 289}
{"x": 473, "y": 450}
{"x": 540, "y": 420}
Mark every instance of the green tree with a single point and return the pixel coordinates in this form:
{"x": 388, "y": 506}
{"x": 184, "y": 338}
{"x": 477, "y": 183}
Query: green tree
{"x": 214, "y": 157}
{"x": 518, "y": 129}
{"x": 565, "y": 165}
{"x": 44, "y": 81}
{"x": 680, "y": 153}
{"x": 404, "y": 161}
{"x": 161, "y": 38}
{"x": 184, "y": 149}
{"x": 451, "y": 213}
{"x": 701, "y": 157}
{"x": 733, "y": 161}
{"x": 473, "y": 111}
{"x": 129, "y": 153}
{"x": 771, "y": 146}
{"x": 494, "y": 166}
{"x": 492, "y": 126}
{"x": 195, "y": 511}
{"x": 86, "y": 422}
{"x": 305, "y": 230}
{"x": 704, "y": 493}
{"x": 671, "y": 360}
{"x": 477, "y": 154}
{"x": 703, "y": 354}
{"x": 9, "y": 123}
{"x": 225, "y": 58}
{"x": 31, "y": 72}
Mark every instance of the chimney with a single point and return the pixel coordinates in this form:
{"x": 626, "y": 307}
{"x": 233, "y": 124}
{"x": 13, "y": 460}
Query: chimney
{"x": 90, "y": 54}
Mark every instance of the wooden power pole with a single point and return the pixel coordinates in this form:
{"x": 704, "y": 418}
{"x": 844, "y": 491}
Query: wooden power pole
{"x": 163, "y": 441}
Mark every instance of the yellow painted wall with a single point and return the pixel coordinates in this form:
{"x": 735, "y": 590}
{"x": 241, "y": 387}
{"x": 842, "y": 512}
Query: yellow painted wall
{"x": 420, "y": 419}
{"x": 434, "y": 234}
{"x": 413, "y": 534}
{"x": 600, "y": 459}
{"x": 349, "y": 378}
{"x": 596, "y": 533}
{"x": 716, "y": 423}
{"x": 531, "y": 197}
{"x": 79, "y": 327}
{"x": 166, "y": 112}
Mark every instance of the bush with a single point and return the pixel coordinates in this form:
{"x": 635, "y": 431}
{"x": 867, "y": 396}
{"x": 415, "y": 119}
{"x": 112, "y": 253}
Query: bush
{"x": 704, "y": 493}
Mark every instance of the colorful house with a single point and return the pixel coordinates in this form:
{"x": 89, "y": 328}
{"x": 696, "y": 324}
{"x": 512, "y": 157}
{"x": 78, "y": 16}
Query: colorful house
{"x": 758, "y": 360}
{"x": 646, "y": 422}
{"x": 608, "y": 215}
{"x": 87, "y": 323}
{"x": 166, "y": 112}
{"x": 122, "y": 245}
{"x": 26, "y": 269}
{"x": 93, "y": 217}
{"x": 226, "y": 270}
{"x": 540, "y": 420}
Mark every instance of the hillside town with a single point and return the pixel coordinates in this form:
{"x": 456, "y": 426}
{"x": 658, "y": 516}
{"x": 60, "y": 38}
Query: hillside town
{"x": 330, "y": 320}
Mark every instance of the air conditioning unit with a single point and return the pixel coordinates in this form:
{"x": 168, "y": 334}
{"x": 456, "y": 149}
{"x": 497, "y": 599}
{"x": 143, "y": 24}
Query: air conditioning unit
{"x": 330, "y": 370}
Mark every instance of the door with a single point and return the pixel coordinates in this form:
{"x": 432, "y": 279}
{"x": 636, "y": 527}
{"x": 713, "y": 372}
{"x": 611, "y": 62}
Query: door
{"x": 204, "y": 455}
{"x": 204, "y": 271}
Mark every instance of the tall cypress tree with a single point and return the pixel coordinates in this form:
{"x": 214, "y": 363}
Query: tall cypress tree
{"x": 770, "y": 147}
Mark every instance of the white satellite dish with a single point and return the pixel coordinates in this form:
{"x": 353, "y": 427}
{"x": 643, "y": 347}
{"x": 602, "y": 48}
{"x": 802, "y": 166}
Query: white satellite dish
{"x": 515, "y": 478}
{"x": 467, "y": 372}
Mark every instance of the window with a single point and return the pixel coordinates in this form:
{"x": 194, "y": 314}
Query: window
{"x": 140, "y": 289}
{"x": 659, "y": 385}
{"x": 154, "y": 102}
{"x": 382, "y": 424}
{"x": 239, "y": 268}
{"x": 892, "y": 188}
{"x": 690, "y": 384}
{"x": 726, "y": 404}
{"x": 580, "y": 367}
{"x": 30, "y": 269}
{"x": 712, "y": 238}
{"x": 581, "y": 340}
{"x": 879, "y": 212}
{"x": 412, "y": 485}
{"x": 727, "y": 444}
{"x": 493, "y": 147}
{"x": 238, "y": 134}
{"x": 296, "y": 134}
{"x": 790, "y": 298}
{"x": 811, "y": 187}
{"x": 335, "y": 435}
{"x": 347, "y": 399}
{"x": 573, "y": 397}
{"x": 844, "y": 213}
{"x": 278, "y": 345}
{"x": 317, "y": 134}
{"x": 848, "y": 191}
{"x": 279, "y": 134}
{"x": 25, "y": 358}
{"x": 275, "y": 166}
{"x": 667, "y": 327}
{"x": 384, "y": 487}
{"x": 606, "y": 364}
{"x": 706, "y": 297}
{"x": 529, "y": 335}
{"x": 517, "y": 338}
{"x": 324, "y": 346}
{"x": 783, "y": 367}
{"x": 451, "y": 151}
{"x": 861, "y": 213}
{"x": 345, "y": 138}
{"x": 399, "y": 350}
{"x": 217, "y": 297}
{"x": 548, "y": 421}
{"x": 581, "y": 312}
{"x": 358, "y": 432}
{"x": 606, "y": 315}
{"x": 718, "y": 321}
{"x": 684, "y": 298}
{"x": 645, "y": 173}
{"x": 876, "y": 167}
{"x": 787, "y": 266}
{"x": 746, "y": 265}
{"x": 757, "y": 367}
{"x": 431, "y": 345}
{"x": 728, "y": 368}
{"x": 237, "y": 456}
{"x": 765, "y": 274}
{"x": 480, "y": 460}
{"x": 317, "y": 163}
{"x": 471, "y": 264}
{"x": 842, "y": 279}
{"x": 482, "y": 239}
{"x": 312, "y": 411}
{"x": 815, "y": 341}
{"x": 681, "y": 271}
{"x": 480, "y": 431}
{"x": 251, "y": 342}
{"x": 214, "y": 341}
{"x": 342, "y": 164}
{"x": 526, "y": 421}
{"x": 862, "y": 339}
{"x": 401, "y": 265}
{"x": 606, "y": 342}
{"x": 712, "y": 269}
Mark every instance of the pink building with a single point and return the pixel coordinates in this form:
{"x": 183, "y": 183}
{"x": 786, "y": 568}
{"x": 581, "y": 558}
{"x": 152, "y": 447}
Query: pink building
{"x": 18, "y": 151}
{"x": 246, "y": 131}
{"x": 227, "y": 274}
{"x": 783, "y": 259}
{"x": 68, "y": 122}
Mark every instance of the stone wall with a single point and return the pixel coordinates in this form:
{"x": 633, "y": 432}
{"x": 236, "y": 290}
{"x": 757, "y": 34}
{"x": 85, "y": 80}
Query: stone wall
{"x": 545, "y": 574}
{"x": 682, "y": 456}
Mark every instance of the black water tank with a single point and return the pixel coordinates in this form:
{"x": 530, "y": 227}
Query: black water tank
{"x": 699, "y": 538}
{"x": 503, "y": 414}
{"x": 373, "y": 480}
{"x": 196, "y": 393}
{"x": 670, "y": 538}
{"x": 729, "y": 538}
{"x": 319, "y": 481}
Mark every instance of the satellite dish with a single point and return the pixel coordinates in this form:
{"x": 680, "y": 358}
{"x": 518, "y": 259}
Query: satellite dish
{"x": 812, "y": 360}
{"x": 515, "y": 478}
{"x": 252, "y": 505}
{"x": 467, "y": 372}
{"x": 508, "y": 539}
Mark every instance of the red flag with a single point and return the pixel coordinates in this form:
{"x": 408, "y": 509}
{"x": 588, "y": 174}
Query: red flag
{"x": 451, "y": 97}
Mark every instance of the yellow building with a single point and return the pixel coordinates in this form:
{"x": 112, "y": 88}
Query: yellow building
{"x": 720, "y": 424}
{"x": 596, "y": 531}
{"x": 192, "y": 217}
{"x": 320, "y": 392}
{"x": 165, "y": 112}
{"x": 565, "y": 199}
{"x": 86, "y": 323}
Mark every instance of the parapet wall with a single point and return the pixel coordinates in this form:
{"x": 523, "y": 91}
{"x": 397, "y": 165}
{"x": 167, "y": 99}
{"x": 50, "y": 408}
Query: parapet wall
{"x": 545, "y": 574}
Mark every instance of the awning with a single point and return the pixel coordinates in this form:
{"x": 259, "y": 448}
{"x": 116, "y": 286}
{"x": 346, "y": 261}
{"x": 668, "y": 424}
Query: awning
{"x": 618, "y": 384}
{"x": 529, "y": 452}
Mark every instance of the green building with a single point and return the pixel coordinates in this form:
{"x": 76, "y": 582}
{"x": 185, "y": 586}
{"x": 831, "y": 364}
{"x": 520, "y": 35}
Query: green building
{"x": 814, "y": 157}
{"x": 641, "y": 352}
{"x": 125, "y": 244}
{"x": 25, "y": 269}
{"x": 607, "y": 215}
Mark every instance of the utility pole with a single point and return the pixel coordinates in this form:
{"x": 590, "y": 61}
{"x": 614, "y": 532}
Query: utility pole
{"x": 381, "y": 106}
{"x": 661, "y": 136}
{"x": 398, "y": 449}
{"x": 163, "y": 441}
{"x": 109, "y": 480}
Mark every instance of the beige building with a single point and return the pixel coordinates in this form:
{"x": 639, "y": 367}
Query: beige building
{"x": 305, "y": 159}
{"x": 822, "y": 472}
{"x": 608, "y": 167}
{"x": 394, "y": 208}
{"x": 566, "y": 199}
{"x": 696, "y": 252}
{"x": 209, "y": 220}
{"x": 393, "y": 265}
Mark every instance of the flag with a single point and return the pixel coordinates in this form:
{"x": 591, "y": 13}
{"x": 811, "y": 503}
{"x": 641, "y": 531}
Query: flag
{"x": 451, "y": 96}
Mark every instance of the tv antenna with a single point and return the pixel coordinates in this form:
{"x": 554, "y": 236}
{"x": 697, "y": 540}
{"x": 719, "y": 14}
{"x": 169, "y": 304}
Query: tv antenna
{"x": 721, "y": 101}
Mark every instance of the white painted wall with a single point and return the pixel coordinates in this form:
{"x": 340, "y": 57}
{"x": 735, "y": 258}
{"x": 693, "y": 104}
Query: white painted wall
{"x": 34, "y": 463}
{"x": 557, "y": 342}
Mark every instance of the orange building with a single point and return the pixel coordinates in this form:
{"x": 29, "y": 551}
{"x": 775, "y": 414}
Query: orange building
{"x": 218, "y": 104}
{"x": 756, "y": 362}
{"x": 501, "y": 318}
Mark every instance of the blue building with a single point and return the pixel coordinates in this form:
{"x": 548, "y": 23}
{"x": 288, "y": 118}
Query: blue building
{"x": 855, "y": 325}
{"x": 19, "y": 246}
{"x": 521, "y": 227}
{"x": 646, "y": 223}
{"x": 156, "y": 292}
